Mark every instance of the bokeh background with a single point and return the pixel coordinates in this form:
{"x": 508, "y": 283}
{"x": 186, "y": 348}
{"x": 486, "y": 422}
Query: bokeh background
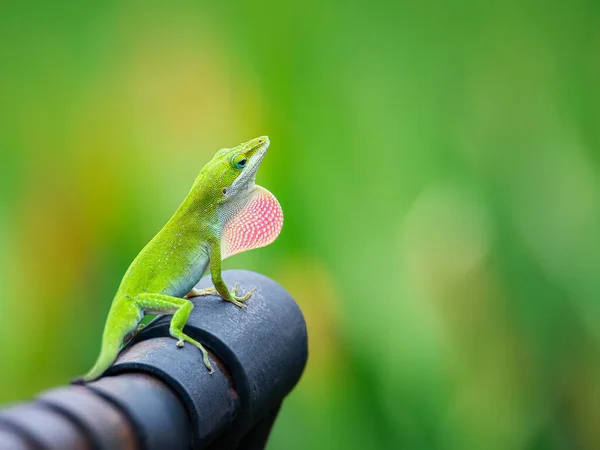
{"x": 439, "y": 172}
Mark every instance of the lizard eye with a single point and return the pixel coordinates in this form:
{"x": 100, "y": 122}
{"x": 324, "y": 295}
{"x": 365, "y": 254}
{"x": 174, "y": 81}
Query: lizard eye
{"x": 239, "y": 161}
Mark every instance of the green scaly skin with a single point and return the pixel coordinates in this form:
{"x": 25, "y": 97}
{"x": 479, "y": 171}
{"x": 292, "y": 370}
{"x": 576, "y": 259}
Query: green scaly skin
{"x": 170, "y": 265}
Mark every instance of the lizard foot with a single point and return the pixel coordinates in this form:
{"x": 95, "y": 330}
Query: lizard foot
{"x": 237, "y": 301}
{"x": 185, "y": 337}
{"x": 201, "y": 292}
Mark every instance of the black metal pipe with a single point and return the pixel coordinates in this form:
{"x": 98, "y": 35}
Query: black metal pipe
{"x": 158, "y": 396}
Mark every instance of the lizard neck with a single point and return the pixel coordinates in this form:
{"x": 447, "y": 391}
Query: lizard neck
{"x": 205, "y": 210}
{"x": 198, "y": 212}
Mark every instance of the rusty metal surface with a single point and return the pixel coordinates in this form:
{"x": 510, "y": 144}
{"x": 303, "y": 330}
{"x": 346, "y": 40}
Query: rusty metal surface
{"x": 208, "y": 398}
{"x": 43, "y": 428}
{"x": 264, "y": 346}
{"x": 106, "y": 427}
{"x": 157, "y": 415}
{"x": 11, "y": 440}
{"x": 158, "y": 396}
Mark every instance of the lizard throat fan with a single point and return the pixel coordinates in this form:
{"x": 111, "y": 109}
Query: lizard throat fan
{"x": 251, "y": 215}
{"x": 255, "y": 223}
{"x": 253, "y": 220}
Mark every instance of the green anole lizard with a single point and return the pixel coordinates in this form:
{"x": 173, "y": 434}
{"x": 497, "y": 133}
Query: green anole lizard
{"x": 224, "y": 213}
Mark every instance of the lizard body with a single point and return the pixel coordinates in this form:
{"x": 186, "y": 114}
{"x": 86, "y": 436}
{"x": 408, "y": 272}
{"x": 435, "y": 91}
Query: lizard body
{"x": 224, "y": 213}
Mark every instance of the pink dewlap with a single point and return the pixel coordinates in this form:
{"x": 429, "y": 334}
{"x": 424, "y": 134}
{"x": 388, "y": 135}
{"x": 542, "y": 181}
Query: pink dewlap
{"x": 257, "y": 224}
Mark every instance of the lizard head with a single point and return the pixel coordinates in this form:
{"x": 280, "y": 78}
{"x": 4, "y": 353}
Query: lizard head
{"x": 249, "y": 215}
{"x": 232, "y": 171}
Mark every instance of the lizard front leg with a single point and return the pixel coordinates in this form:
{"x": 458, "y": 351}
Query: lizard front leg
{"x": 181, "y": 309}
{"x": 217, "y": 279}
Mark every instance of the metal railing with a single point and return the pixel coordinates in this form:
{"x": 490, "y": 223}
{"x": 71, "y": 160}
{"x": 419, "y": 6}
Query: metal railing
{"x": 158, "y": 396}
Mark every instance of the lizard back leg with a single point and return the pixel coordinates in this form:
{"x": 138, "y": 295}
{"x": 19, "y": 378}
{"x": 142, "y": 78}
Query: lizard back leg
{"x": 181, "y": 309}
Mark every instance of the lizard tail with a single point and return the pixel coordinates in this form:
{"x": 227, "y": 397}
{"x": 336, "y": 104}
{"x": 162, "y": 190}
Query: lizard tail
{"x": 111, "y": 343}
{"x": 118, "y": 325}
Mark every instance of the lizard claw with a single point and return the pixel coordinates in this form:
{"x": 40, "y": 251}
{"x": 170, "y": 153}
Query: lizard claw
{"x": 243, "y": 298}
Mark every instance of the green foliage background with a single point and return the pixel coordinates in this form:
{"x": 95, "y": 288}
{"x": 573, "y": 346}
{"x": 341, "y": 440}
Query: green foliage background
{"x": 438, "y": 168}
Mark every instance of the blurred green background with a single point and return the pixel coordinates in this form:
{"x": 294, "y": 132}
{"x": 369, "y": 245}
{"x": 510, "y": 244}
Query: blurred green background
{"x": 438, "y": 169}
